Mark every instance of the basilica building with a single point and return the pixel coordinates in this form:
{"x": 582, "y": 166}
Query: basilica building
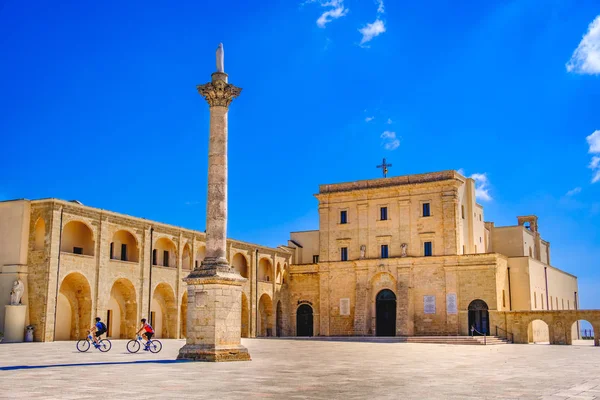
{"x": 400, "y": 256}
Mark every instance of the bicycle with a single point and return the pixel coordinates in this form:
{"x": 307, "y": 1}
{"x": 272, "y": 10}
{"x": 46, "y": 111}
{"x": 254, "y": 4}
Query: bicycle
{"x": 84, "y": 345}
{"x": 153, "y": 345}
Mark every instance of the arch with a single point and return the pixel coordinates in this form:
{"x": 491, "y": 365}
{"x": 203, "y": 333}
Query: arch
{"x": 264, "y": 322}
{"x": 265, "y": 270}
{"x": 278, "y": 274}
{"x": 74, "y": 308}
{"x": 538, "y": 332}
{"x": 164, "y": 253}
{"x": 582, "y": 333}
{"x": 200, "y": 254}
{"x": 163, "y": 311}
{"x": 122, "y": 310}
{"x": 77, "y": 238}
{"x": 279, "y": 320}
{"x": 124, "y": 246}
{"x": 245, "y": 317}
{"x": 186, "y": 260}
{"x": 304, "y": 320}
{"x": 240, "y": 263}
{"x": 385, "y": 313}
{"x": 40, "y": 234}
{"x": 479, "y": 317}
{"x": 183, "y": 316}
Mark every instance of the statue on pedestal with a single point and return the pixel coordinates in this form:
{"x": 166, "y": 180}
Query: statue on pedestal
{"x": 363, "y": 250}
{"x": 403, "y": 248}
{"x": 17, "y": 292}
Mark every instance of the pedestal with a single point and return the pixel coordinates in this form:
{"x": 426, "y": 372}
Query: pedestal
{"x": 14, "y": 323}
{"x": 214, "y": 318}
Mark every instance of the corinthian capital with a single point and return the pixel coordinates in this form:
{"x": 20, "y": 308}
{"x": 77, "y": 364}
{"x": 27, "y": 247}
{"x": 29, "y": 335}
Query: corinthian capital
{"x": 219, "y": 93}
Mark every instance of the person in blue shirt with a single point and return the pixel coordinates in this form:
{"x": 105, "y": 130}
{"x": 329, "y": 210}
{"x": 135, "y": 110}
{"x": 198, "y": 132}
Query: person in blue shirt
{"x": 98, "y": 329}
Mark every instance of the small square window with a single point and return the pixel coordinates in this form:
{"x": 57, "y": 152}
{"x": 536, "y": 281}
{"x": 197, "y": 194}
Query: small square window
{"x": 77, "y": 250}
{"x": 426, "y": 210}
{"x": 343, "y": 217}
{"x": 344, "y": 254}
{"x": 427, "y": 249}
{"x": 383, "y": 213}
{"x": 384, "y": 251}
{"x": 315, "y": 259}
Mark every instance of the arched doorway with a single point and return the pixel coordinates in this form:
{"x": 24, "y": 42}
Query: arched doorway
{"x": 163, "y": 312}
{"x": 304, "y": 320}
{"x": 264, "y": 322}
{"x": 240, "y": 264}
{"x": 538, "y": 332}
{"x": 279, "y": 320}
{"x": 386, "y": 313}
{"x": 245, "y": 317}
{"x": 74, "y": 308}
{"x": 479, "y": 317}
{"x": 121, "y": 318}
{"x": 582, "y": 333}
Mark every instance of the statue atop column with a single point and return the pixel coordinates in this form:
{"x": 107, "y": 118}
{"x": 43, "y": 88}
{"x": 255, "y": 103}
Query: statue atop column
{"x": 17, "y": 292}
{"x": 220, "y": 58}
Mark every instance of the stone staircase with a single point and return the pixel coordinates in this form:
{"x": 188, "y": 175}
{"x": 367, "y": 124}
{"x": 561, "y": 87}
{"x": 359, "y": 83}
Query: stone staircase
{"x": 472, "y": 340}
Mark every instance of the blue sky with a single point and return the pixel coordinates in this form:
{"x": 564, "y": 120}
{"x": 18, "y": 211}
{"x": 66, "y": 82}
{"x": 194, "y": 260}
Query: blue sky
{"x": 99, "y": 104}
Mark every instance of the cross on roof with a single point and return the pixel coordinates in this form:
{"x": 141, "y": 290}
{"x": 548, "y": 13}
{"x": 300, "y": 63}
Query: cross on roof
{"x": 384, "y": 168}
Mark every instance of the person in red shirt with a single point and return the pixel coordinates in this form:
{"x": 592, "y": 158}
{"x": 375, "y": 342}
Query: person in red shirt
{"x": 148, "y": 332}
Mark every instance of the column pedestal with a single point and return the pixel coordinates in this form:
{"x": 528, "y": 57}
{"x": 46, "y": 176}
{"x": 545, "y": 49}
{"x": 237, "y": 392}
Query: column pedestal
{"x": 14, "y": 323}
{"x": 214, "y": 317}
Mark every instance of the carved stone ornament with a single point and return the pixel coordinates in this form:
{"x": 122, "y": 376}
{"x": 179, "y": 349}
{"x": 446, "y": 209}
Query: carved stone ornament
{"x": 219, "y": 93}
{"x": 363, "y": 250}
{"x": 403, "y": 248}
{"x": 17, "y": 292}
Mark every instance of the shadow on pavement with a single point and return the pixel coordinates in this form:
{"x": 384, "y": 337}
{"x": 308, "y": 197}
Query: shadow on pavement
{"x": 18, "y": 367}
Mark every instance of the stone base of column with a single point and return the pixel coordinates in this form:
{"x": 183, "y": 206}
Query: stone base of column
{"x": 214, "y": 314}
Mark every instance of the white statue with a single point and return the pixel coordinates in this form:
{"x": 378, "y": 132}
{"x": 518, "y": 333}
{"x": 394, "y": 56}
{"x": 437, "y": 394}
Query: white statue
{"x": 220, "y": 58}
{"x": 363, "y": 250}
{"x": 404, "y": 248}
{"x": 17, "y": 292}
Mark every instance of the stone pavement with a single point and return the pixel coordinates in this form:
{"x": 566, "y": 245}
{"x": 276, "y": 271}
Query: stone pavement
{"x": 304, "y": 369}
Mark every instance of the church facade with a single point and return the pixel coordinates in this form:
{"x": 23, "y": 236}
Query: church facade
{"x": 400, "y": 256}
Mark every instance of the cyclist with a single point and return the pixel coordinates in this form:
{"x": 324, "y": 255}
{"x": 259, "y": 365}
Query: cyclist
{"x": 148, "y": 333}
{"x": 98, "y": 329}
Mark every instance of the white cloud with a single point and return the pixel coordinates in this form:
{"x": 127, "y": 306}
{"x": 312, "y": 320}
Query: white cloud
{"x": 372, "y": 30}
{"x": 574, "y": 191}
{"x": 594, "y": 143}
{"x": 482, "y": 190}
{"x": 389, "y": 121}
{"x": 369, "y": 119}
{"x": 337, "y": 10}
{"x": 586, "y": 57}
{"x": 390, "y": 141}
{"x": 380, "y": 8}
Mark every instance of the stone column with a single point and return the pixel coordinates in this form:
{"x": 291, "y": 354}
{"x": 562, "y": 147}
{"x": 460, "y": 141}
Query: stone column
{"x": 215, "y": 289}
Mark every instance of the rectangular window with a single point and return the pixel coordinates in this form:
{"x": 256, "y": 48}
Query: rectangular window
{"x": 196, "y": 264}
{"x": 480, "y": 240}
{"x": 462, "y": 210}
{"x": 123, "y": 252}
{"x": 344, "y": 254}
{"x": 426, "y": 210}
{"x": 503, "y": 299}
{"x": 550, "y": 305}
{"x": 384, "y": 251}
{"x": 568, "y": 305}
{"x": 563, "y": 303}
{"x": 383, "y": 213}
{"x": 315, "y": 259}
{"x": 112, "y": 251}
{"x": 542, "y": 299}
{"x": 464, "y": 249}
{"x": 556, "y": 304}
{"x": 109, "y": 318}
{"x": 343, "y": 217}
{"x": 427, "y": 250}
{"x": 154, "y": 259}
{"x": 534, "y": 300}
{"x": 479, "y": 217}
{"x": 77, "y": 250}
{"x": 166, "y": 258}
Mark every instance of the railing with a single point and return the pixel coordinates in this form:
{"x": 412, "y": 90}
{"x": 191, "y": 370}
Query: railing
{"x": 587, "y": 334}
{"x": 481, "y": 333}
{"x": 507, "y": 333}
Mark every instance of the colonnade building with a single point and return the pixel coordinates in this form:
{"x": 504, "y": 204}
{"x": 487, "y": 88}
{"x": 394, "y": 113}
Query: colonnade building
{"x": 400, "y": 256}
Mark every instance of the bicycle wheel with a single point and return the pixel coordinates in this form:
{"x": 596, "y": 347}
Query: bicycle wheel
{"x": 104, "y": 345}
{"x": 83, "y": 345}
{"x": 133, "y": 346}
{"x": 155, "y": 346}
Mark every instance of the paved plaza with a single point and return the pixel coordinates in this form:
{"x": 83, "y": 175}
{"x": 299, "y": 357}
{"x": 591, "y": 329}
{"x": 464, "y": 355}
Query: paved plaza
{"x": 304, "y": 369}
